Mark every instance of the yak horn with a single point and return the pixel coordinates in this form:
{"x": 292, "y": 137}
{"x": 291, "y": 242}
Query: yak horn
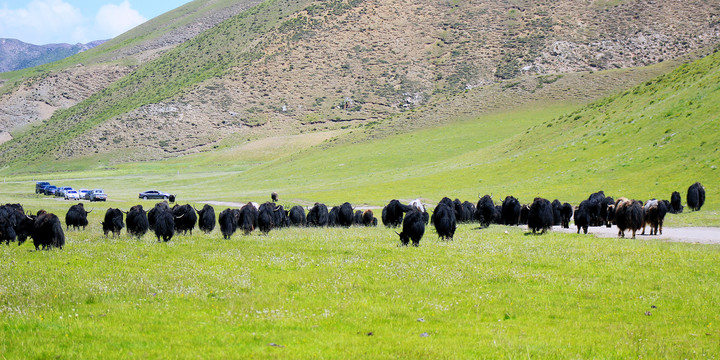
{"x": 196, "y": 210}
{"x": 397, "y": 233}
{"x": 177, "y": 217}
{"x": 91, "y": 210}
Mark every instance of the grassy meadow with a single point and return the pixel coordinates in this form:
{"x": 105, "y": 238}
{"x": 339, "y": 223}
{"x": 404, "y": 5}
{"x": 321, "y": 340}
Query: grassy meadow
{"x": 353, "y": 293}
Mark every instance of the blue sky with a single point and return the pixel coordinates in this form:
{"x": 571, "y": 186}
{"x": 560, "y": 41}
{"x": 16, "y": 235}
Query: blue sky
{"x": 76, "y": 21}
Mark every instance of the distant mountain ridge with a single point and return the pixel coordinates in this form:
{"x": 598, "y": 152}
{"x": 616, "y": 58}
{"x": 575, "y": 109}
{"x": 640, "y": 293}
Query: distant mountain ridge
{"x": 17, "y": 55}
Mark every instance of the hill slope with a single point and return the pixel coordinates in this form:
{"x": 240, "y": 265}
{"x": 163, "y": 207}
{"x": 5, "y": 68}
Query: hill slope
{"x": 33, "y": 95}
{"x": 315, "y": 65}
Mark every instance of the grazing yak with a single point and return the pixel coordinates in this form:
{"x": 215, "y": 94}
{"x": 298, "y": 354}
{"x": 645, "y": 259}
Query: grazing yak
{"x": 357, "y": 217}
{"x": 510, "y": 211}
{"x": 46, "y": 231}
{"x": 164, "y": 225}
{"x": 393, "y": 212}
{"x": 676, "y": 206}
{"x": 524, "y": 214}
{"x": 695, "y": 196}
{"x": 318, "y": 215}
{"x": 413, "y": 228}
{"x": 14, "y": 224}
{"x": 582, "y": 216}
{"x": 463, "y": 213}
{"x": 628, "y": 216}
{"x": 113, "y": 222}
{"x": 248, "y": 219}
{"x": 566, "y": 213}
{"x": 206, "y": 218}
{"x": 76, "y": 217}
{"x": 152, "y": 214}
{"x": 654, "y": 216}
{"x": 485, "y": 211}
{"x": 345, "y": 215}
{"x": 137, "y": 221}
{"x": 557, "y": 213}
{"x": 368, "y": 218}
{"x": 333, "y": 216}
{"x": 274, "y": 197}
{"x": 297, "y": 216}
{"x": 540, "y": 217}
{"x": 185, "y": 218}
{"x": 444, "y": 221}
{"x": 280, "y": 217}
{"x": 228, "y": 222}
{"x": 265, "y": 219}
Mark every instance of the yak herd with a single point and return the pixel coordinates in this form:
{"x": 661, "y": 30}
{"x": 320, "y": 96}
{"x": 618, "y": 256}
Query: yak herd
{"x": 598, "y": 210}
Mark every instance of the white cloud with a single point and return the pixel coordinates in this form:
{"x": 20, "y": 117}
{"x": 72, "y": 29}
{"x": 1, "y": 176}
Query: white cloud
{"x": 40, "y": 22}
{"x": 56, "y": 21}
{"x": 114, "y": 20}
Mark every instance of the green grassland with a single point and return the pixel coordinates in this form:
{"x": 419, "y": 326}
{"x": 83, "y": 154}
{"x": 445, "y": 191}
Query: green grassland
{"x": 353, "y": 293}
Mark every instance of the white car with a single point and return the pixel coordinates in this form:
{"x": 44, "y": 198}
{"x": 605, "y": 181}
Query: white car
{"x": 72, "y": 195}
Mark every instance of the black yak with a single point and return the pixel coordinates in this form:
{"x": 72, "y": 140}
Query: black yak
{"x": 206, "y": 218}
{"x": 297, "y": 216}
{"x": 280, "y": 217}
{"x": 485, "y": 211}
{"x": 393, "y": 212}
{"x": 566, "y": 213}
{"x": 413, "y": 228}
{"x": 248, "y": 219}
{"x": 137, "y": 221}
{"x": 333, "y": 216}
{"x": 228, "y": 222}
{"x": 274, "y": 197}
{"x": 345, "y": 215}
{"x": 14, "y": 224}
{"x": 152, "y": 214}
{"x": 444, "y": 221}
{"x": 463, "y": 214}
{"x": 266, "y": 215}
{"x": 510, "y": 211}
{"x": 47, "y": 231}
{"x": 557, "y": 213}
{"x": 695, "y": 196}
{"x": 318, "y": 215}
{"x": 164, "y": 222}
{"x": 582, "y": 216}
{"x": 524, "y": 214}
{"x": 357, "y": 217}
{"x": 540, "y": 217}
{"x": 676, "y": 206}
{"x": 76, "y": 217}
{"x": 185, "y": 218}
{"x": 113, "y": 222}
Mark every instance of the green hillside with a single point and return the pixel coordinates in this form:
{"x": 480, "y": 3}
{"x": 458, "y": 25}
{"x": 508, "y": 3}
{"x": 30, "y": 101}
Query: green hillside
{"x": 645, "y": 142}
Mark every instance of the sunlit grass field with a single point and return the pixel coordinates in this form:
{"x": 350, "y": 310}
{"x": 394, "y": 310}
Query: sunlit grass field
{"x": 353, "y": 293}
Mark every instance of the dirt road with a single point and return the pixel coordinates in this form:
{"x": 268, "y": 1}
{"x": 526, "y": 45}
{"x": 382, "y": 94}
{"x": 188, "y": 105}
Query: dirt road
{"x": 697, "y": 235}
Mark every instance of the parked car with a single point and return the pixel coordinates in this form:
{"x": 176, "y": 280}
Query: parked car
{"x": 72, "y": 195}
{"x": 50, "y": 190}
{"x": 40, "y": 187}
{"x": 96, "y": 195}
{"x": 82, "y": 193}
{"x": 61, "y": 190}
{"x": 153, "y": 194}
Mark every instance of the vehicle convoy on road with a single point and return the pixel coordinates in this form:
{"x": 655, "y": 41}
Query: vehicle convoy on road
{"x": 153, "y": 194}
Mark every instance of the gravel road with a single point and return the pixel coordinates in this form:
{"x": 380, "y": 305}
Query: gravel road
{"x": 695, "y": 235}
